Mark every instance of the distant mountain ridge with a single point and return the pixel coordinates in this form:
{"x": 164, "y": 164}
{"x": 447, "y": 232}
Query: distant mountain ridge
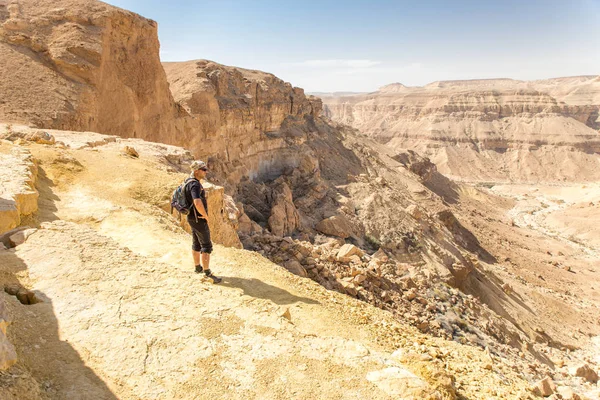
{"x": 486, "y": 129}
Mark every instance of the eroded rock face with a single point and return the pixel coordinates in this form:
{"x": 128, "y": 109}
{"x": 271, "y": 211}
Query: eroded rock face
{"x": 244, "y": 120}
{"x": 476, "y": 129}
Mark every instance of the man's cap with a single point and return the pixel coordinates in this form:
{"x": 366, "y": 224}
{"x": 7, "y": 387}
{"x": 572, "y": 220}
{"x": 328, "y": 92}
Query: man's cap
{"x": 198, "y": 164}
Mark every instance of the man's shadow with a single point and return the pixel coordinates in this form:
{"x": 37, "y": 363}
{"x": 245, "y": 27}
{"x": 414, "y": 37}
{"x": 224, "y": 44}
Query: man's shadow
{"x": 258, "y": 289}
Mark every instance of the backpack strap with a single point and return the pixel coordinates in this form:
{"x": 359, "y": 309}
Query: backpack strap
{"x": 185, "y": 183}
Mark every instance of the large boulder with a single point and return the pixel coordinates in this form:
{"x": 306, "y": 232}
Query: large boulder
{"x": 345, "y": 253}
{"x": 337, "y": 225}
{"x": 584, "y": 371}
{"x": 295, "y": 268}
{"x": 545, "y": 387}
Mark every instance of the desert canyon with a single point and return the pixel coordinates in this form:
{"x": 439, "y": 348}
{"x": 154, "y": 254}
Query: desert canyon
{"x": 436, "y": 242}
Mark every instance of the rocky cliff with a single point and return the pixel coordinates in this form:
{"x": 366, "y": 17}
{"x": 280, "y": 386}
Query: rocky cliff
{"x": 244, "y": 119}
{"x": 81, "y": 65}
{"x": 504, "y": 130}
{"x": 88, "y": 66}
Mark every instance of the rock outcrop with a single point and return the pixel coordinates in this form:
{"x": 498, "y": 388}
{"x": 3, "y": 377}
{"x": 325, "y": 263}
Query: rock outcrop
{"x": 18, "y": 196}
{"x": 284, "y": 219}
{"x": 494, "y": 130}
{"x": 223, "y": 220}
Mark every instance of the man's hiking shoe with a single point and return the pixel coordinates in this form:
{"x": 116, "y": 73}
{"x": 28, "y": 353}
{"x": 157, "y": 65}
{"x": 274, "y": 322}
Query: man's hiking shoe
{"x": 198, "y": 268}
{"x": 214, "y": 278}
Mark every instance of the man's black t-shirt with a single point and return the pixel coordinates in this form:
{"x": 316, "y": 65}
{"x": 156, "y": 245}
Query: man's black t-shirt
{"x": 194, "y": 190}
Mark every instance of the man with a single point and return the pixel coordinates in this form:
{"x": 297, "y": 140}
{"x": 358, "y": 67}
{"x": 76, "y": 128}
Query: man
{"x": 198, "y": 220}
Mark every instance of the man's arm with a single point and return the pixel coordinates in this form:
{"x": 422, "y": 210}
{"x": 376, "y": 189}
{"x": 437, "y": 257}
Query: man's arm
{"x": 200, "y": 207}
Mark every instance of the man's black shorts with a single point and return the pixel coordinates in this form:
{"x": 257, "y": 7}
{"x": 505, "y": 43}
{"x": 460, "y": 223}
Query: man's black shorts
{"x": 200, "y": 234}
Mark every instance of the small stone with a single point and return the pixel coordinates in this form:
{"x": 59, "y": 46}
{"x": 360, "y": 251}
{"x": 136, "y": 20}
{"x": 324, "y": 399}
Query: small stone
{"x": 130, "y": 151}
{"x": 415, "y": 211}
{"x": 411, "y": 294}
{"x": 360, "y": 278}
{"x": 41, "y": 137}
{"x": 355, "y": 260}
{"x": 423, "y": 327}
{"x": 286, "y": 314}
{"x": 21, "y": 236}
{"x": 380, "y": 180}
{"x": 5, "y": 237}
{"x": 349, "y": 288}
{"x": 12, "y": 289}
{"x": 295, "y": 268}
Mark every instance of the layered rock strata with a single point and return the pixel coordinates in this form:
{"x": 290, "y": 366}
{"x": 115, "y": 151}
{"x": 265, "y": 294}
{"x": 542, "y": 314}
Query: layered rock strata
{"x": 497, "y": 129}
{"x": 245, "y": 119}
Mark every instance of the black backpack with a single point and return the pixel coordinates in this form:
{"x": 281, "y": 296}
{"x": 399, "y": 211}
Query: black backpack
{"x": 179, "y": 200}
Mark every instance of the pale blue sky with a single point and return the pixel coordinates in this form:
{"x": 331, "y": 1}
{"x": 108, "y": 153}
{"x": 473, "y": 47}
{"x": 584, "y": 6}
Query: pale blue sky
{"x": 362, "y": 45}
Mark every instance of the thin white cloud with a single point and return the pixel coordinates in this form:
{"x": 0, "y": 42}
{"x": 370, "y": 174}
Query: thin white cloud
{"x": 335, "y": 63}
{"x": 385, "y": 69}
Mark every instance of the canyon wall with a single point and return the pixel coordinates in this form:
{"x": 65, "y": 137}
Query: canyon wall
{"x": 244, "y": 120}
{"x": 81, "y": 65}
{"x": 497, "y": 129}
{"x": 87, "y": 66}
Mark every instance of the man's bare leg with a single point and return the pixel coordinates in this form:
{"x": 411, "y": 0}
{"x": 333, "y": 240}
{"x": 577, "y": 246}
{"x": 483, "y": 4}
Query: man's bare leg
{"x": 205, "y": 261}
